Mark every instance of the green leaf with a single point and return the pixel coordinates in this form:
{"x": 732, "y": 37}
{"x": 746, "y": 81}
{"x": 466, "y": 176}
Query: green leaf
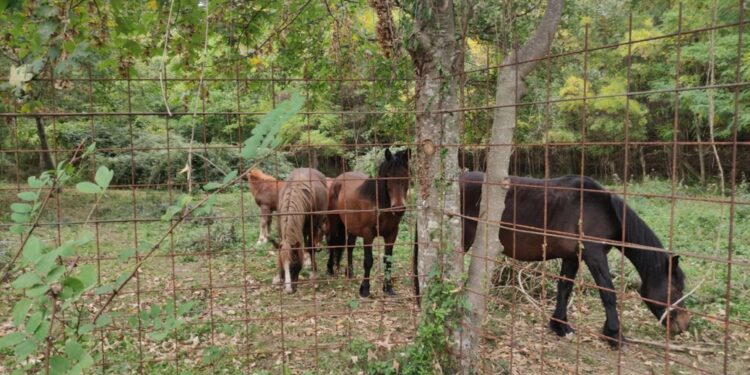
{"x": 126, "y": 254}
{"x": 185, "y": 308}
{"x": 20, "y": 218}
{"x": 171, "y": 211}
{"x": 74, "y": 350}
{"x": 158, "y": 336}
{"x": 37, "y": 290}
{"x": 103, "y": 177}
{"x": 58, "y": 365}
{"x": 25, "y": 348}
{"x": 34, "y": 321}
{"x": 11, "y": 339}
{"x": 88, "y": 187}
{"x": 86, "y": 328}
{"x": 265, "y": 132}
{"x": 122, "y": 278}
{"x": 55, "y": 274}
{"x": 211, "y": 186}
{"x": 34, "y": 183}
{"x": 20, "y": 310}
{"x": 27, "y": 280}
{"x": 28, "y": 196}
{"x": 87, "y": 275}
{"x": 21, "y": 208}
{"x": 229, "y": 177}
{"x": 90, "y": 149}
{"x": 155, "y": 310}
{"x": 103, "y": 320}
{"x": 17, "y": 229}
{"x": 133, "y": 322}
{"x": 72, "y": 287}
{"x": 104, "y": 289}
{"x": 43, "y": 330}
{"x": 33, "y": 249}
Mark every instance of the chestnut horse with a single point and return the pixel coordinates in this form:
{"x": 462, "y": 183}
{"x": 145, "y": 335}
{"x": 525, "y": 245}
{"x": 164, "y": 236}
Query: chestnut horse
{"x": 604, "y": 215}
{"x": 368, "y": 208}
{"x": 302, "y": 202}
{"x": 265, "y": 190}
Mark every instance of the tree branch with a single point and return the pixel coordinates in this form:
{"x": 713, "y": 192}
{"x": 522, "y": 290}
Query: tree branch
{"x": 536, "y": 46}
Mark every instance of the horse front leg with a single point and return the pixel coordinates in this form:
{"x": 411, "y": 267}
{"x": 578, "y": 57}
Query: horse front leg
{"x": 389, "y": 239}
{"x": 265, "y": 225}
{"x": 559, "y": 322}
{"x": 364, "y": 288}
{"x": 596, "y": 259}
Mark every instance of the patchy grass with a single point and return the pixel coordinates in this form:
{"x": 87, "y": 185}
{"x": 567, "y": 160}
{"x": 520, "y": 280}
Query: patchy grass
{"x": 243, "y": 324}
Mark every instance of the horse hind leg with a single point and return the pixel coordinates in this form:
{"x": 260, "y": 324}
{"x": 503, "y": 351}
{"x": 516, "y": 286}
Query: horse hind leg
{"x": 559, "y": 321}
{"x": 596, "y": 260}
{"x": 351, "y": 240}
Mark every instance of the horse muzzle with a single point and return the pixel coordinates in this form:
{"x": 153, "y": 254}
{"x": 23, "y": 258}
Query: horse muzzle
{"x": 679, "y": 321}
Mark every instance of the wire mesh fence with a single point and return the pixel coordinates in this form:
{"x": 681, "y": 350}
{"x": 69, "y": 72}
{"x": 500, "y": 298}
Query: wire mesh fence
{"x": 183, "y": 270}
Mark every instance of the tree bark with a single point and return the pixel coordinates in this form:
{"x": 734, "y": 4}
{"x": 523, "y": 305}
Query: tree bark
{"x": 487, "y": 247}
{"x": 438, "y": 62}
{"x": 47, "y": 161}
{"x": 437, "y": 51}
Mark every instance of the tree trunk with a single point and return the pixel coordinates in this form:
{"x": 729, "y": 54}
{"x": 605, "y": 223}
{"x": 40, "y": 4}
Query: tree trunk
{"x": 487, "y": 247}
{"x": 46, "y": 155}
{"x": 438, "y": 55}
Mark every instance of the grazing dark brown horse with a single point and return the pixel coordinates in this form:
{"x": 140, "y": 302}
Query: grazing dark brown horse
{"x": 603, "y": 215}
{"x": 368, "y": 208}
{"x": 265, "y": 190}
{"x": 302, "y": 202}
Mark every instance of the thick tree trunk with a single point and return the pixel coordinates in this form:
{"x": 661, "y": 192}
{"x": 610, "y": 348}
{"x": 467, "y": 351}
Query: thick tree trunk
{"x": 47, "y": 161}
{"x": 437, "y": 52}
{"x": 487, "y": 246}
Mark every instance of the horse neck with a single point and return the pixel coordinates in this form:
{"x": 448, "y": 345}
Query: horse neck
{"x": 382, "y": 196}
{"x": 648, "y": 263}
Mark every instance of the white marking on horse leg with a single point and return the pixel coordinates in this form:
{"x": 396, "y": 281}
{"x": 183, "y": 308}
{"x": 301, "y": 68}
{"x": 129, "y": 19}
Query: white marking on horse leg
{"x": 287, "y": 277}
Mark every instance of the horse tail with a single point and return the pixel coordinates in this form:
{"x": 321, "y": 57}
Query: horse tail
{"x": 636, "y": 230}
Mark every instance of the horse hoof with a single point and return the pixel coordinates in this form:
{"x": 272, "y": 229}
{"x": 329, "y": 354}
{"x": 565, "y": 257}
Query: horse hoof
{"x": 560, "y": 329}
{"x": 330, "y": 273}
{"x": 364, "y": 291}
{"x": 289, "y": 290}
{"x": 611, "y": 337}
{"x": 388, "y": 291}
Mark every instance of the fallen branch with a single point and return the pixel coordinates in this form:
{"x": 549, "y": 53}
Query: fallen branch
{"x": 672, "y": 347}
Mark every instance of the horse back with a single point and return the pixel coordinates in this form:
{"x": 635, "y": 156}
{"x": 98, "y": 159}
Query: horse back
{"x": 524, "y": 224}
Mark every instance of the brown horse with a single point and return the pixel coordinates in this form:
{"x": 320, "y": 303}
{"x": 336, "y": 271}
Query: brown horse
{"x": 302, "y": 202}
{"x": 265, "y": 190}
{"x": 604, "y": 215}
{"x": 368, "y": 208}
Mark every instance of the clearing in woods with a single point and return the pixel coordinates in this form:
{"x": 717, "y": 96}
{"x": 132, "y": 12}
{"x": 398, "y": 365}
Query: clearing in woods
{"x": 244, "y": 324}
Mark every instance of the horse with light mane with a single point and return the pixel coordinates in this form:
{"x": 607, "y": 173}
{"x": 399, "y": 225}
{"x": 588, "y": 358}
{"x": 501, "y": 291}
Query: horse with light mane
{"x": 265, "y": 190}
{"x": 301, "y": 223}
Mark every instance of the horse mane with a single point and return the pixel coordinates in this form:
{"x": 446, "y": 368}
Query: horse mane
{"x": 295, "y": 201}
{"x": 372, "y": 189}
{"x": 256, "y": 174}
{"x": 649, "y": 263}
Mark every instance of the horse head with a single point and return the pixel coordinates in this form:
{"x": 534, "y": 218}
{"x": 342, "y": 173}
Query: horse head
{"x": 659, "y": 296}
{"x": 395, "y": 171}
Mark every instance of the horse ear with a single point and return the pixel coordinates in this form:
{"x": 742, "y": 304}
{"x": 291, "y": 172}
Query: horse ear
{"x": 388, "y": 155}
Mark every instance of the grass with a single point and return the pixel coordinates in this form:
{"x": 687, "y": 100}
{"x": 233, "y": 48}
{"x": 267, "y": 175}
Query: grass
{"x": 243, "y": 324}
